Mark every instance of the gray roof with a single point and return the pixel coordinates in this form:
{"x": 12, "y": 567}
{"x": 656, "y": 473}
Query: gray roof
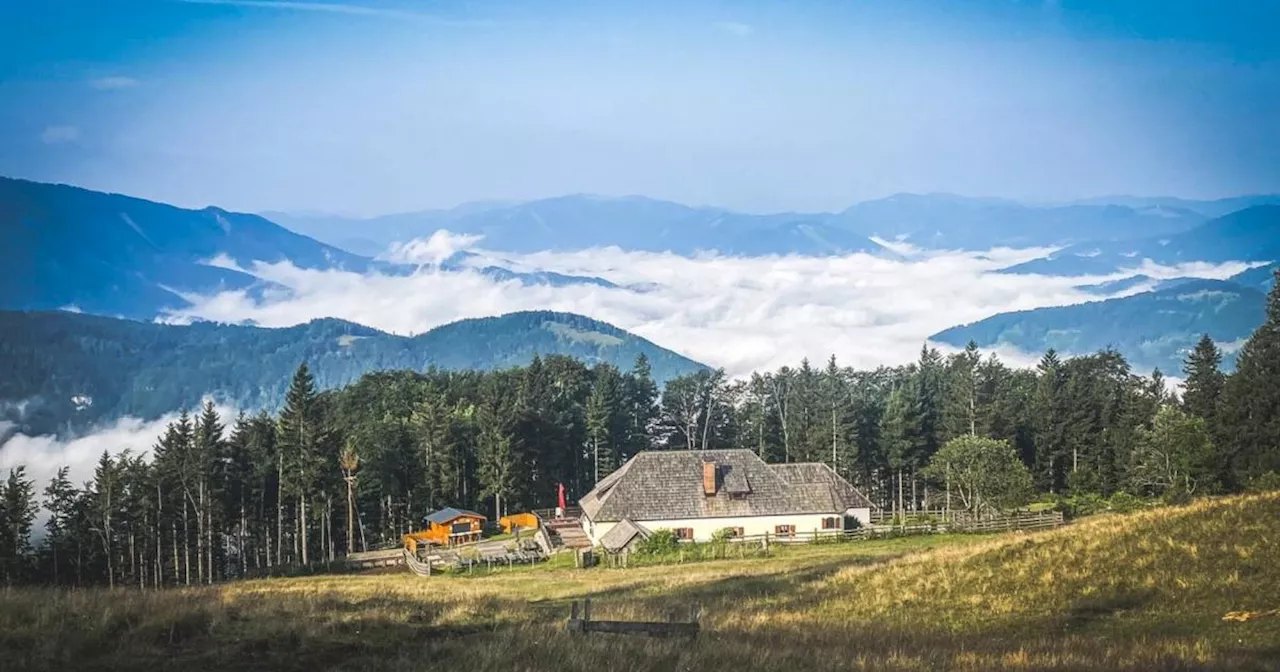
{"x": 667, "y": 485}
{"x": 621, "y": 534}
{"x": 445, "y": 515}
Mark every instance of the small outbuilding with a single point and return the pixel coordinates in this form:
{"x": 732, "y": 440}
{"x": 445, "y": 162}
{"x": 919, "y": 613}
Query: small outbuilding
{"x": 450, "y": 526}
{"x": 624, "y": 536}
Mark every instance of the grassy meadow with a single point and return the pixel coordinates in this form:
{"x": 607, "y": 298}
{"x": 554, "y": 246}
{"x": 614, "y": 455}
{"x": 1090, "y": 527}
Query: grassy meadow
{"x": 1142, "y": 591}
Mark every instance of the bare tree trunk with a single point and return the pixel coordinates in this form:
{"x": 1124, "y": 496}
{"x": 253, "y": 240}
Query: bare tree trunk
{"x": 177, "y": 566}
{"x": 351, "y": 511}
{"x": 302, "y": 520}
{"x": 279, "y": 506}
{"x": 186, "y": 541}
{"x": 901, "y": 511}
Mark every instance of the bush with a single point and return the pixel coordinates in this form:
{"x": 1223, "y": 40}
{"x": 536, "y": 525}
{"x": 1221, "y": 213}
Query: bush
{"x": 722, "y": 535}
{"x": 658, "y": 543}
{"x": 1268, "y": 482}
{"x": 1123, "y": 502}
{"x": 1176, "y": 496}
{"x": 1085, "y": 504}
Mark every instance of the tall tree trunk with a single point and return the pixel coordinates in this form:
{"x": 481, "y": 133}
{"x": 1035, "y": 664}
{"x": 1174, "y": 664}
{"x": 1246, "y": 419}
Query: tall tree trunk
{"x": 279, "y": 506}
{"x": 186, "y": 542}
{"x": 302, "y": 515}
{"x": 351, "y": 508}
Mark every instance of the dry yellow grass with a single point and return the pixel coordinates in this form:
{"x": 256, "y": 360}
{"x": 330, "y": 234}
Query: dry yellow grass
{"x": 1142, "y": 591}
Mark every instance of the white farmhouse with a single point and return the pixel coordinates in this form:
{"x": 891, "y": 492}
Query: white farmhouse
{"x": 696, "y": 493}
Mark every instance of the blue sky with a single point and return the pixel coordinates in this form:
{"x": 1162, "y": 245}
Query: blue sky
{"x": 373, "y": 106}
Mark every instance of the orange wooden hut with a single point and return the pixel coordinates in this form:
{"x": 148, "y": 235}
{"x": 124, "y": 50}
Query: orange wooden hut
{"x": 447, "y": 527}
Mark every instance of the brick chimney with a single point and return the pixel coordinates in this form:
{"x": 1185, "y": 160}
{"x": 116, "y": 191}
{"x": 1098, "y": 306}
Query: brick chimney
{"x": 709, "y": 478}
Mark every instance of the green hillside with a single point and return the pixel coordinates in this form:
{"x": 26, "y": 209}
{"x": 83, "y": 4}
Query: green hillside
{"x": 1152, "y": 329}
{"x": 63, "y": 371}
{"x": 1144, "y": 591}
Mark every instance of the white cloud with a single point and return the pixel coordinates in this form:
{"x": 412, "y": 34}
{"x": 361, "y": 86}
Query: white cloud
{"x": 735, "y": 28}
{"x": 54, "y": 135}
{"x": 44, "y": 455}
{"x": 113, "y": 83}
{"x": 743, "y": 314}
{"x": 432, "y": 250}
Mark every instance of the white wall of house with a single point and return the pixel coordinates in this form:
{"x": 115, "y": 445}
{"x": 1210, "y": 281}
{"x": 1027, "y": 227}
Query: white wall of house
{"x": 703, "y": 528}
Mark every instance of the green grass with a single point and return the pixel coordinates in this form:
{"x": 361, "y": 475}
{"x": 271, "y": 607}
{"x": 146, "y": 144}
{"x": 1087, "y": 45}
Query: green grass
{"x": 1140, "y": 591}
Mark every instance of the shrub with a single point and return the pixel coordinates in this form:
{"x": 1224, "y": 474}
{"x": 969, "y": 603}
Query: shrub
{"x": 1085, "y": 504}
{"x": 658, "y": 543}
{"x": 1123, "y": 502}
{"x": 1268, "y": 482}
{"x": 1176, "y": 496}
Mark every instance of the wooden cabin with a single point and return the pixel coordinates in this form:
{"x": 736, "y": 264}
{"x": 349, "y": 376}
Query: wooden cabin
{"x": 518, "y": 521}
{"x": 450, "y": 526}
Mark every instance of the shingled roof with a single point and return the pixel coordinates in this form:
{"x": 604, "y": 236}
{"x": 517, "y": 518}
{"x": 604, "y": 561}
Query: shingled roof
{"x": 668, "y": 485}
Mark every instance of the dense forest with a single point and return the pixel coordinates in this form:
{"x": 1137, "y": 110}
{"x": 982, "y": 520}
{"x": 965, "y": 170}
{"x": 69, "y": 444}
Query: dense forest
{"x": 219, "y": 498}
{"x": 70, "y": 372}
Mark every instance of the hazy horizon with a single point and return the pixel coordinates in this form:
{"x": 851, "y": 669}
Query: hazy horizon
{"x": 371, "y": 107}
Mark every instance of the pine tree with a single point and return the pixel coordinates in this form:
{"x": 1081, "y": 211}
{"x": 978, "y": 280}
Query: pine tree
{"x": 1050, "y": 425}
{"x": 1202, "y": 389}
{"x": 1249, "y": 416}
{"x": 18, "y": 503}
{"x": 602, "y": 418}
{"x": 59, "y": 500}
{"x": 105, "y": 500}
{"x": 207, "y": 457}
{"x": 299, "y": 430}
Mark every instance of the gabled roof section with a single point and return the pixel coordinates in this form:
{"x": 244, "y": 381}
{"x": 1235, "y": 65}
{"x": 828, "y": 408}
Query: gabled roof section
{"x": 617, "y": 538}
{"x": 450, "y": 514}
{"x": 668, "y": 485}
{"x": 820, "y": 477}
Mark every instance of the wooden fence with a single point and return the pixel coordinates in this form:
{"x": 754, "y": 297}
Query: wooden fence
{"x": 1020, "y": 521}
{"x": 580, "y": 621}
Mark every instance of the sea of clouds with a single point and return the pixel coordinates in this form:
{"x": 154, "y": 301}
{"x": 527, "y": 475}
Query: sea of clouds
{"x": 742, "y": 314}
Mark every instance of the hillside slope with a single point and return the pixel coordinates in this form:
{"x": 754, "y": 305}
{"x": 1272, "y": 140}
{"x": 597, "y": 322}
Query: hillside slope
{"x": 117, "y": 255}
{"x": 1143, "y": 591}
{"x": 1152, "y": 329}
{"x": 584, "y": 221}
{"x": 959, "y": 222}
{"x": 1251, "y": 234}
{"x": 63, "y": 371}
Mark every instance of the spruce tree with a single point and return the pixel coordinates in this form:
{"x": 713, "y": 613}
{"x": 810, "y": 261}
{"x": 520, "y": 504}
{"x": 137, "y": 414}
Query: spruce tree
{"x": 1204, "y": 380}
{"x": 642, "y": 404}
{"x": 1250, "y": 413}
{"x": 298, "y": 437}
{"x": 59, "y": 500}
{"x": 17, "y": 499}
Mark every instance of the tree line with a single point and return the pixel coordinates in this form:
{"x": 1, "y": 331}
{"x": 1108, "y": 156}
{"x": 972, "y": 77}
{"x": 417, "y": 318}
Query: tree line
{"x": 354, "y": 468}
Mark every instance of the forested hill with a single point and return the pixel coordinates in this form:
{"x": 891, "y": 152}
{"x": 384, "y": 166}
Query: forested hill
{"x": 62, "y": 371}
{"x": 117, "y": 255}
{"x": 1152, "y": 330}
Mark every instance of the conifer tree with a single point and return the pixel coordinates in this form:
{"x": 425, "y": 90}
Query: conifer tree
{"x": 299, "y": 430}
{"x": 1202, "y": 389}
{"x": 1250, "y": 412}
{"x": 59, "y": 500}
{"x": 18, "y": 507}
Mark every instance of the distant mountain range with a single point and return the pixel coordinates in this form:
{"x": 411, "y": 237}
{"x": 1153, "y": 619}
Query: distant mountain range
{"x": 1151, "y": 329}
{"x": 581, "y": 221}
{"x": 65, "y": 372}
{"x": 944, "y": 221}
{"x": 638, "y": 223}
{"x": 1252, "y": 234}
{"x": 64, "y": 247}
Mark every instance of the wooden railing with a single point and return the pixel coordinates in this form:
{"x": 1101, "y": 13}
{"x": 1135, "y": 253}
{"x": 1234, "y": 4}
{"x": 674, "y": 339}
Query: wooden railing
{"x": 1022, "y": 521}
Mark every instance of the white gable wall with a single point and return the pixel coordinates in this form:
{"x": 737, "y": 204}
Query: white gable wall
{"x": 703, "y": 528}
